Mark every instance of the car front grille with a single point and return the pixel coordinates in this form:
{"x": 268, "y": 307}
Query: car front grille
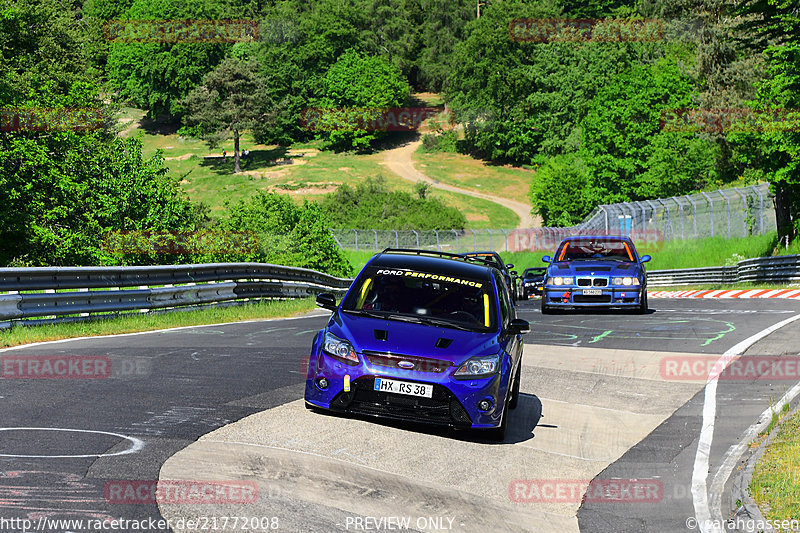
{"x": 421, "y": 364}
{"x": 442, "y": 408}
{"x": 592, "y": 282}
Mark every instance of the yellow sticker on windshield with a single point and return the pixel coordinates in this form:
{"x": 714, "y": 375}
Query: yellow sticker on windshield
{"x": 486, "y": 317}
{"x": 362, "y": 296}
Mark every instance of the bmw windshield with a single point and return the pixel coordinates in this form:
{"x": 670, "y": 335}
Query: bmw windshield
{"x": 594, "y": 250}
{"x": 423, "y": 297}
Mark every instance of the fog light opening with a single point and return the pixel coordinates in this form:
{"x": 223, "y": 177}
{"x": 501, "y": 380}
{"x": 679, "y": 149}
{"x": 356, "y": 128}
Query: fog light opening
{"x": 486, "y": 404}
{"x": 322, "y": 383}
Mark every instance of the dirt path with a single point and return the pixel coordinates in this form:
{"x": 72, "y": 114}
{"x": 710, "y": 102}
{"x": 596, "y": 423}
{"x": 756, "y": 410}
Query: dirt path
{"x": 398, "y": 160}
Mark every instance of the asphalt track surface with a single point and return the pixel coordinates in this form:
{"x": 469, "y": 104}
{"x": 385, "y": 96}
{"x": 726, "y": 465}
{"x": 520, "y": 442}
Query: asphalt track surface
{"x": 63, "y": 440}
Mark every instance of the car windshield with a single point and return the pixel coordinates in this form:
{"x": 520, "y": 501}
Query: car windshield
{"x": 424, "y": 297}
{"x": 534, "y": 272}
{"x": 594, "y": 249}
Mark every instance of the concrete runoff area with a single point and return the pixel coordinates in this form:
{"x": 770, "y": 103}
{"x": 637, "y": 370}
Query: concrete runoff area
{"x": 580, "y": 410}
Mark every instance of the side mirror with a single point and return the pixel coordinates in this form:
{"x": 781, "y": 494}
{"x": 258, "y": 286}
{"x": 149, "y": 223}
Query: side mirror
{"x": 514, "y": 273}
{"x": 519, "y": 327}
{"x": 546, "y": 259}
{"x": 326, "y": 300}
{"x": 509, "y": 266}
{"x": 645, "y": 259}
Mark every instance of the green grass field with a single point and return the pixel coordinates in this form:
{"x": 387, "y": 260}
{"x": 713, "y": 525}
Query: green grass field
{"x": 776, "y": 479}
{"x": 302, "y": 171}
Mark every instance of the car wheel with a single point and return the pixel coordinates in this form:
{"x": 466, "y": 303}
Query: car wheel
{"x": 545, "y": 309}
{"x": 515, "y": 389}
{"x": 642, "y": 309}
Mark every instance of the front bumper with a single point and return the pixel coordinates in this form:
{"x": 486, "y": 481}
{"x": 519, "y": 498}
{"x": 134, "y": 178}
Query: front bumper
{"x": 453, "y": 404}
{"x": 608, "y": 297}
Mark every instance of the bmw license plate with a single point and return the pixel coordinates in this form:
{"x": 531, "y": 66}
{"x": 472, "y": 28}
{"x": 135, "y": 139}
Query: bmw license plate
{"x": 592, "y": 292}
{"x": 404, "y": 387}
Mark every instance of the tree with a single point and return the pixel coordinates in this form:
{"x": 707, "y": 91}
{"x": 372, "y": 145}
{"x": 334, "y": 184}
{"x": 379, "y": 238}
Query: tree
{"x": 233, "y": 97}
{"x": 771, "y": 150}
{"x": 360, "y": 84}
{"x": 157, "y": 75}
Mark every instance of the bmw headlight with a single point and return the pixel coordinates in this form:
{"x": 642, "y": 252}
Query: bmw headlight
{"x": 478, "y": 367}
{"x": 560, "y": 281}
{"x": 625, "y": 281}
{"x": 339, "y": 349}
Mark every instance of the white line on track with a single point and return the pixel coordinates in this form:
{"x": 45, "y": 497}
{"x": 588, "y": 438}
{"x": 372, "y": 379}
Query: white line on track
{"x": 701, "y": 460}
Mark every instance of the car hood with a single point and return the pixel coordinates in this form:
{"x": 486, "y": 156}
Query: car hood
{"x": 405, "y": 338}
{"x": 595, "y": 268}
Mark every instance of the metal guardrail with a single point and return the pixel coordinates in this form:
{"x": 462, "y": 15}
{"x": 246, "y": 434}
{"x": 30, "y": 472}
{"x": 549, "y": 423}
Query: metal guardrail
{"x": 780, "y": 269}
{"x": 65, "y": 291}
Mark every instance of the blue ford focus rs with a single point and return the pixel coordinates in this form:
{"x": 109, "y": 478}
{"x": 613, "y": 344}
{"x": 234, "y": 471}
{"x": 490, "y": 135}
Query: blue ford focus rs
{"x": 422, "y": 336}
{"x": 595, "y": 271}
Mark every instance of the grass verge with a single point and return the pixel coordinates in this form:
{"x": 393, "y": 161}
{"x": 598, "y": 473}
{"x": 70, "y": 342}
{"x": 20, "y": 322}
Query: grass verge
{"x": 134, "y": 322}
{"x": 776, "y": 480}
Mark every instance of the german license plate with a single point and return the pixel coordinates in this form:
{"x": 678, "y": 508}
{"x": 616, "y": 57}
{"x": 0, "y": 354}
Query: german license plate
{"x": 592, "y": 292}
{"x": 404, "y": 387}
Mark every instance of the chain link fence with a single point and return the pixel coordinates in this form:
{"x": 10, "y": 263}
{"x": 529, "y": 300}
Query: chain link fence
{"x": 736, "y": 212}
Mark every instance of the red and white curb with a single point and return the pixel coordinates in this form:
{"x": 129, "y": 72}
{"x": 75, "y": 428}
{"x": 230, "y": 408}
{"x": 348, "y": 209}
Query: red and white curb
{"x": 728, "y": 293}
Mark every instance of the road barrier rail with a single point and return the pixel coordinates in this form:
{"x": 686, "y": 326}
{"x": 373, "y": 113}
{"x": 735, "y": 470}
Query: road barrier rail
{"x": 63, "y": 292}
{"x": 779, "y": 269}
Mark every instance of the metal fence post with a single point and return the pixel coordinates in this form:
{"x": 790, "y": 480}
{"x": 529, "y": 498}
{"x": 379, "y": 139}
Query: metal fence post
{"x": 474, "y": 241}
{"x": 376, "y": 240}
{"x": 694, "y": 214}
{"x": 490, "y": 240}
{"x": 356, "y": 232}
{"x": 396, "y": 239}
{"x": 744, "y": 210}
{"x": 680, "y": 206}
{"x": 603, "y": 208}
{"x": 438, "y": 247}
{"x": 760, "y": 209}
{"x": 506, "y": 237}
{"x": 416, "y": 235}
{"x": 711, "y": 205}
{"x": 456, "y": 234}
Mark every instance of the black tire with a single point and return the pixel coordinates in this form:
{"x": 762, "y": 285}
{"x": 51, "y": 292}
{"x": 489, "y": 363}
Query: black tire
{"x": 643, "y": 308}
{"x": 515, "y": 389}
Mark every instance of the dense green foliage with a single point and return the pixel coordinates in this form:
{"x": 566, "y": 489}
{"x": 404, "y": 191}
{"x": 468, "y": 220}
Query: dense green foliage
{"x": 287, "y": 234}
{"x": 371, "y": 205}
{"x": 588, "y": 114}
{"x": 61, "y": 189}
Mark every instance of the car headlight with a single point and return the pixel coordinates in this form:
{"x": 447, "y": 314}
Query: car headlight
{"x": 625, "y": 281}
{"x": 477, "y": 367}
{"x": 560, "y": 281}
{"x": 339, "y": 349}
